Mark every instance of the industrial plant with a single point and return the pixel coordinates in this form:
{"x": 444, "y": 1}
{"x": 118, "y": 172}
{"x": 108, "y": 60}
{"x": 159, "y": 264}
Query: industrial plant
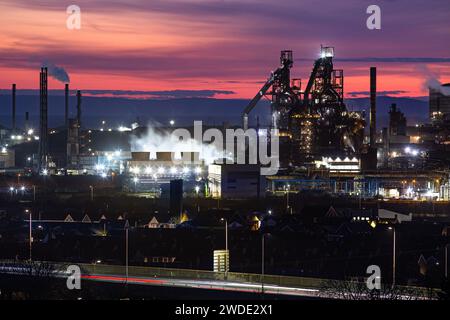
{"x": 323, "y": 145}
{"x": 262, "y": 154}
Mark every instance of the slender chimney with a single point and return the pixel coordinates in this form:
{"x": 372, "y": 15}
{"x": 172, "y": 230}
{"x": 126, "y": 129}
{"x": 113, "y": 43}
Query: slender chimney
{"x": 66, "y": 110}
{"x": 27, "y": 120}
{"x": 373, "y": 105}
{"x": 43, "y": 119}
{"x": 79, "y": 108}
{"x": 78, "y": 126}
{"x": 13, "y": 107}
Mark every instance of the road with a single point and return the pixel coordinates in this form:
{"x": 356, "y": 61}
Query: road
{"x": 206, "y": 284}
{"x": 172, "y": 278}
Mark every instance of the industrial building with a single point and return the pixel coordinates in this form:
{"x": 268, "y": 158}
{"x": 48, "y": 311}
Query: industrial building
{"x": 396, "y": 148}
{"x": 153, "y": 171}
{"x": 235, "y": 181}
{"x": 323, "y": 145}
{"x": 440, "y": 103}
{"x": 7, "y": 158}
{"x": 313, "y": 122}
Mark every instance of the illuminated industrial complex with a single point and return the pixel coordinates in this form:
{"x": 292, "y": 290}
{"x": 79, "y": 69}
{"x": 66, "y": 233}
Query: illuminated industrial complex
{"x": 323, "y": 145}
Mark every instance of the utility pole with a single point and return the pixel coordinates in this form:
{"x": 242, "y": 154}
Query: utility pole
{"x": 287, "y": 199}
{"x": 126, "y": 253}
{"x": 227, "y": 255}
{"x": 262, "y": 264}
{"x": 30, "y": 236}
{"x": 394, "y": 256}
{"x": 446, "y": 261}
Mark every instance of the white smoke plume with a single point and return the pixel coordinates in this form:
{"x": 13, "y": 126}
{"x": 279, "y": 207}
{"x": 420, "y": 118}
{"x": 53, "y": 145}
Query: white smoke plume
{"x": 431, "y": 81}
{"x": 159, "y": 140}
{"x": 56, "y": 72}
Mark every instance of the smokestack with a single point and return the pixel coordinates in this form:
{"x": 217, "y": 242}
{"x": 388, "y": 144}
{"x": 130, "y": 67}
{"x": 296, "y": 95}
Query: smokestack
{"x": 27, "y": 121}
{"x": 13, "y": 107}
{"x": 66, "y": 113}
{"x": 373, "y": 105}
{"x": 78, "y": 125}
{"x": 79, "y": 108}
{"x": 43, "y": 119}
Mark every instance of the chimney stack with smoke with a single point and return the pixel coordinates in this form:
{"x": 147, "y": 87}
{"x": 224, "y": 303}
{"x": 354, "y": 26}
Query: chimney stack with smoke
{"x": 56, "y": 72}
{"x": 373, "y": 105}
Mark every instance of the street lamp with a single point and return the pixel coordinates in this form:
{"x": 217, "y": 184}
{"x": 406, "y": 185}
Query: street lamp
{"x": 197, "y": 190}
{"x": 226, "y": 246}
{"x": 287, "y": 198}
{"x": 126, "y": 252}
{"x": 262, "y": 262}
{"x": 27, "y": 211}
{"x": 446, "y": 261}
{"x": 155, "y": 177}
{"x": 394, "y": 254}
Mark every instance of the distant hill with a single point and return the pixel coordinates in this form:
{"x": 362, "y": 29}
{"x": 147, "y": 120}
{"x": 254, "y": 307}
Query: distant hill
{"x": 415, "y": 109}
{"x": 122, "y": 111}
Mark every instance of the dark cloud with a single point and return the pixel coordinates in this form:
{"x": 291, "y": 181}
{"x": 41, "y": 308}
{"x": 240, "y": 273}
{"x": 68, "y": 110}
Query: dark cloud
{"x": 396, "y": 60}
{"x": 380, "y": 93}
{"x": 244, "y": 37}
{"x": 163, "y": 94}
{"x": 389, "y": 59}
{"x": 143, "y": 63}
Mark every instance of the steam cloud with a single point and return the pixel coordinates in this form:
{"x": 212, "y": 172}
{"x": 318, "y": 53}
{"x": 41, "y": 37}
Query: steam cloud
{"x": 57, "y": 72}
{"x": 432, "y": 81}
{"x": 157, "y": 140}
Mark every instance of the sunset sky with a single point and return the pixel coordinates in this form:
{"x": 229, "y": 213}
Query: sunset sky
{"x": 224, "y": 45}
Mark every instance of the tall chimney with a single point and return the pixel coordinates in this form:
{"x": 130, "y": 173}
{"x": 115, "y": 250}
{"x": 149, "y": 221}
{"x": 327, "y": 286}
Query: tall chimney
{"x": 79, "y": 108}
{"x": 13, "y": 107}
{"x": 78, "y": 126}
{"x": 27, "y": 120}
{"x": 43, "y": 119}
{"x": 66, "y": 111}
{"x": 373, "y": 105}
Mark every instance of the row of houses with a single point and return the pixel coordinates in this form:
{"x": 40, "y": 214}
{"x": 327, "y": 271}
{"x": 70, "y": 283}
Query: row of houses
{"x": 252, "y": 221}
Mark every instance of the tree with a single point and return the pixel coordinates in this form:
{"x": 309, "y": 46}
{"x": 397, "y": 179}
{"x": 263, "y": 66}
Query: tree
{"x": 352, "y": 290}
